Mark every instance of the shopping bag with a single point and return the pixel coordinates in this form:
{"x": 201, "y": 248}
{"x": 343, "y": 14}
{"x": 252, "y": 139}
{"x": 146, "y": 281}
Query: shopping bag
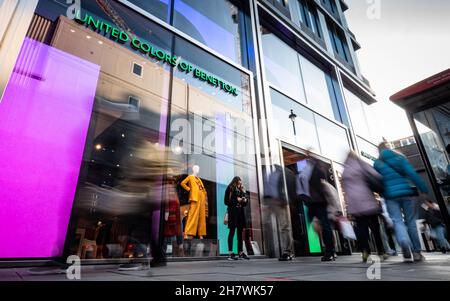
{"x": 347, "y": 229}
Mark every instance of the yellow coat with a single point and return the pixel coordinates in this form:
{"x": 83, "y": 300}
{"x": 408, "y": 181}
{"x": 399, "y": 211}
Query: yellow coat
{"x": 198, "y": 208}
{"x": 195, "y": 187}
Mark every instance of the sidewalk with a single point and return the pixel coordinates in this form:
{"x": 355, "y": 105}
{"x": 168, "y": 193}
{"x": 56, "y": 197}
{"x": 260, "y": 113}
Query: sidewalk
{"x": 346, "y": 268}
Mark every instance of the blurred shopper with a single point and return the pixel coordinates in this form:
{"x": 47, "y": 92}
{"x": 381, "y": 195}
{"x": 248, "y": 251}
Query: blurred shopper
{"x": 433, "y": 218}
{"x": 360, "y": 182}
{"x": 318, "y": 205}
{"x": 389, "y": 229}
{"x": 235, "y": 199}
{"x": 400, "y": 194}
{"x": 277, "y": 202}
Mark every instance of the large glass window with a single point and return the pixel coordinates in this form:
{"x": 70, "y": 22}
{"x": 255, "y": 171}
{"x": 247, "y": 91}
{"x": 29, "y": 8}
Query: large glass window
{"x": 434, "y": 130}
{"x": 308, "y": 16}
{"x": 334, "y": 143}
{"x": 317, "y": 88}
{"x": 282, "y": 65}
{"x": 297, "y": 76}
{"x": 102, "y": 119}
{"x": 312, "y": 131}
{"x": 331, "y": 6}
{"x": 305, "y": 134}
{"x": 158, "y": 8}
{"x": 340, "y": 46}
{"x": 357, "y": 114}
{"x": 215, "y": 23}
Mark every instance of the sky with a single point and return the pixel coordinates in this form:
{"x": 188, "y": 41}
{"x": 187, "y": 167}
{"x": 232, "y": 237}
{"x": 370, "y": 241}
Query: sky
{"x": 403, "y": 42}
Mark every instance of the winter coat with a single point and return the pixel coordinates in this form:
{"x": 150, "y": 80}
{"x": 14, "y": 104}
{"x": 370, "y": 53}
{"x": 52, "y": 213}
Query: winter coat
{"x": 398, "y": 175}
{"x": 319, "y": 174}
{"x": 236, "y": 210}
{"x": 359, "y": 181}
{"x": 275, "y": 193}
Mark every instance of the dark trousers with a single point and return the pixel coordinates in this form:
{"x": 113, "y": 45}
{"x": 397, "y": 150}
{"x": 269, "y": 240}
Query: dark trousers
{"x": 320, "y": 211}
{"x": 239, "y": 238}
{"x": 363, "y": 223}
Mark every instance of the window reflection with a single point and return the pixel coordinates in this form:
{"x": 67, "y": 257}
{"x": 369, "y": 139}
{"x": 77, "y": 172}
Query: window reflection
{"x": 214, "y": 23}
{"x": 358, "y": 114}
{"x": 434, "y": 129}
{"x": 305, "y": 125}
{"x": 282, "y": 66}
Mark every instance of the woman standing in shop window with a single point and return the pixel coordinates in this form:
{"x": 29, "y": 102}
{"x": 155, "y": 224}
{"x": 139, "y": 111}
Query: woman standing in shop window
{"x": 236, "y": 200}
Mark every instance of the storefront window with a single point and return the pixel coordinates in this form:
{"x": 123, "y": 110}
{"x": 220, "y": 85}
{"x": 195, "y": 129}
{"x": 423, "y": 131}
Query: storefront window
{"x": 94, "y": 120}
{"x": 214, "y": 23}
{"x": 434, "y": 130}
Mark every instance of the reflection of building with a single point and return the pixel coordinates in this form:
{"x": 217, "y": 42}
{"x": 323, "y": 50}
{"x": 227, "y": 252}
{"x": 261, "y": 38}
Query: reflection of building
{"x": 306, "y": 66}
{"x": 428, "y": 108}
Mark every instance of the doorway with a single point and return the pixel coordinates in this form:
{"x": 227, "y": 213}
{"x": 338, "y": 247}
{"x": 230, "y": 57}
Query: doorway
{"x": 306, "y": 239}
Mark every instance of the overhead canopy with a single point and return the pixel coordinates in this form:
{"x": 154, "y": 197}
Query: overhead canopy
{"x": 429, "y": 92}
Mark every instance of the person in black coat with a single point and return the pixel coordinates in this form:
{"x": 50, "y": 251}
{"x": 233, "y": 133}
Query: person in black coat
{"x": 236, "y": 200}
{"x": 433, "y": 218}
{"x": 317, "y": 206}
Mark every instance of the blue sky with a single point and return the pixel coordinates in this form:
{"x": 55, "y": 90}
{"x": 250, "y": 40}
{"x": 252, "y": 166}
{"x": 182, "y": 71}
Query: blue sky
{"x": 409, "y": 42}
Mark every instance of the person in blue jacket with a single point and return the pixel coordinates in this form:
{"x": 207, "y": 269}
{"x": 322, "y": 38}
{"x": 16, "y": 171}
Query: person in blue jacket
{"x": 402, "y": 185}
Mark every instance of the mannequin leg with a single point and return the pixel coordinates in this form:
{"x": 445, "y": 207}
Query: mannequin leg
{"x": 202, "y": 216}
{"x": 192, "y": 220}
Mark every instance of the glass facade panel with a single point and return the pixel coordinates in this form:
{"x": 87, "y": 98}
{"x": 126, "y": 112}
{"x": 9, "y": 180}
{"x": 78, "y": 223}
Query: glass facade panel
{"x": 308, "y": 16}
{"x": 316, "y": 87}
{"x": 214, "y": 23}
{"x": 334, "y": 143}
{"x": 106, "y": 149}
{"x": 434, "y": 130}
{"x": 357, "y": 115}
{"x": 282, "y": 66}
{"x": 368, "y": 151}
{"x": 305, "y": 129}
{"x": 158, "y": 8}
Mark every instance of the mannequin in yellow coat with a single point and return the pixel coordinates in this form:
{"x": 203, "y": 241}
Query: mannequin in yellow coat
{"x": 198, "y": 205}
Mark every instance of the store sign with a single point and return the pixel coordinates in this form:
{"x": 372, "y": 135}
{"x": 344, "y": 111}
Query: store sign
{"x": 153, "y": 52}
{"x": 368, "y": 156}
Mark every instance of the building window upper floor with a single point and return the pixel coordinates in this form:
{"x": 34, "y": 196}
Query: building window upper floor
{"x": 300, "y": 77}
{"x": 222, "y": 25}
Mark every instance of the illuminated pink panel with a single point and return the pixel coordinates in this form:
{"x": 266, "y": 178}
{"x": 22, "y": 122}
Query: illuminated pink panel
{"x": 44, "y": 118}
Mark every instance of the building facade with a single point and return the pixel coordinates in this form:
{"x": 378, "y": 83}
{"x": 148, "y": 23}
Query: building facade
{"x": 107, "y": 105}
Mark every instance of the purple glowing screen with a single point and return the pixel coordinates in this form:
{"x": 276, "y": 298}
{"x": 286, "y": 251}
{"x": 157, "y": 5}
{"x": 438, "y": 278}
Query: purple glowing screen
{"x": 44, "y": 119}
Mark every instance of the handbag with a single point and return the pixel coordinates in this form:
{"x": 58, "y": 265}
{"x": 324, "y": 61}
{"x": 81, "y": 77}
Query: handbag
{"x": 225, "y": 219}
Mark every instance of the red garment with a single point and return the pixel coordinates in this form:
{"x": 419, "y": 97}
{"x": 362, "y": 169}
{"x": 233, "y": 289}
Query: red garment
{"x": 172, "y": 227}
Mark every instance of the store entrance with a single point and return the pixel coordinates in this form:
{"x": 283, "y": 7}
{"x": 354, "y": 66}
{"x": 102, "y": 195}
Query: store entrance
{"x": 307, "y": 241}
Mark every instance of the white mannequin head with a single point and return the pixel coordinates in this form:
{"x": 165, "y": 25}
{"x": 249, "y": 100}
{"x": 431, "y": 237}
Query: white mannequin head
{"x": 195, "y": 170}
